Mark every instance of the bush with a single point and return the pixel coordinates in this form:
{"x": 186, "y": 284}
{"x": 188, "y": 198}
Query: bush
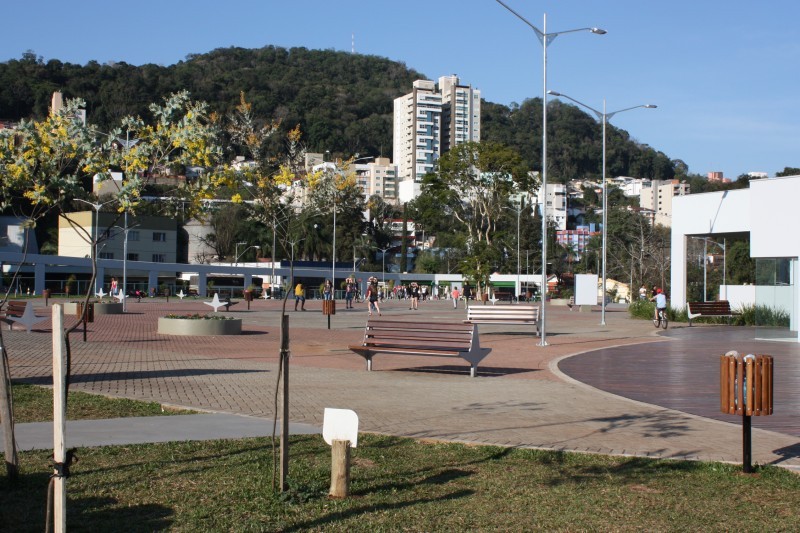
{"x": 646, "y": 310}
{"x": 761, "y": 315}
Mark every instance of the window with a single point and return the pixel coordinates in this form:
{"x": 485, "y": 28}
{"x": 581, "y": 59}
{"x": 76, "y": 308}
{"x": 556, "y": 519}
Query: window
{"x": 159, "y": 236}
{"x": 133, "y": 236}
{"x": 133, "y": 257}
{"x": 159, "y": 258}
{"x": 106, "y": 255}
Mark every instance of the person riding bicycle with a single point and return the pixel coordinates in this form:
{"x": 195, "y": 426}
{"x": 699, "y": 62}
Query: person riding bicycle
{"x": 661, "y": 301}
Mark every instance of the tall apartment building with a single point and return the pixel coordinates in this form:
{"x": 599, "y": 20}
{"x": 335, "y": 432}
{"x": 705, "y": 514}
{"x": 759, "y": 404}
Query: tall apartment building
{"x": 658, "y": 198}
{"x": 429, "y": 121}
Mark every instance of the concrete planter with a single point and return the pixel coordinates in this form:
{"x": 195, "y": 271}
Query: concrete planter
{"x": 199, "y": 327}
{"x": 107, "y": 309}
{"x": 559, "y": 301}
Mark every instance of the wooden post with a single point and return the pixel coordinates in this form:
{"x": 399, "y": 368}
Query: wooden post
{"x": 7, "y": 417}
{"x": 59, "y": 418}
{"x": 340, "y": 469}
{"x": 285, "y": 403}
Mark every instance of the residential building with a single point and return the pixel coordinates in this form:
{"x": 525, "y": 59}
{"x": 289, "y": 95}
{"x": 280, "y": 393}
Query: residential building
{"x": 556, "y": 198}
{"x": 428, "y": 122}
{"x": 378, "y": 178}
{"x": 151, "y": 239}
{"x": 577, "y": 239}
{"x": 658, "y": 198}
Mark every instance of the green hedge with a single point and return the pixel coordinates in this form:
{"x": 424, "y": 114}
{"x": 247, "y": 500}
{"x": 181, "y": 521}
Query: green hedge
{"x": 749, "y": 315}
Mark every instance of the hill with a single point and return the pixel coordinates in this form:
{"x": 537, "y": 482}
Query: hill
{"x": 343, "y": 103}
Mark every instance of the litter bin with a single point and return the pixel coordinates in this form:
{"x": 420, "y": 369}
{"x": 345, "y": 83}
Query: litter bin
{"x": 89, "y": 315}
{"x": 745, "y": 388}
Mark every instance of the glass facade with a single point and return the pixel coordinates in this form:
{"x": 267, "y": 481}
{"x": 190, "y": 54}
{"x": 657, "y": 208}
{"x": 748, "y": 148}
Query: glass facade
{"x": 776, "y": 299}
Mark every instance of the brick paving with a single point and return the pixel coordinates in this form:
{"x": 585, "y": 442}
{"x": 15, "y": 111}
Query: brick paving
{"x": 520, "y": 397}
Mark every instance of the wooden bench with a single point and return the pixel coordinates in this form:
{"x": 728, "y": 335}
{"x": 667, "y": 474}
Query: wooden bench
{"x": 718, "y": 308}
{"x": 504, "y": 314}
{"x": 421, "y": 338}
{"x": 12, "y": 309}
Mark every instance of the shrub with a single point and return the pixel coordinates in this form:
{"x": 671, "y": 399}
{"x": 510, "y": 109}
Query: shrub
{"x": 197, "y": 316}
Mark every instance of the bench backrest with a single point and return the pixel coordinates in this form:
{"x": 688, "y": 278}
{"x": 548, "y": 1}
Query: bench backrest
{"x": 503, "y": 312}
{"x": 719, "y": 307}
{"x": 16, "y": 307}
{"x": 428, "y": 335}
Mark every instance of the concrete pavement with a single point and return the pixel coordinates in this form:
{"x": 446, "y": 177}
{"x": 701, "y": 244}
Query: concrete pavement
{"x": 520, "y": 397}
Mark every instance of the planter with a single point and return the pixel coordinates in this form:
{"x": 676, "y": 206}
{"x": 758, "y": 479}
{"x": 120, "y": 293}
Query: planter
{"x": 107, "y": 309}
{"x": 199, "y": 327}
{"x": 559, "y": 301}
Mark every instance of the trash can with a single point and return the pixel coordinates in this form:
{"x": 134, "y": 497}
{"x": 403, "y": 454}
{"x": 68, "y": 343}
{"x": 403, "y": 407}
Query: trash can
{"x": 746, "y": 384}
{"x": 89, "y": 315}
{"x": 745, "y": 388}
{"x": 329, "y": 307}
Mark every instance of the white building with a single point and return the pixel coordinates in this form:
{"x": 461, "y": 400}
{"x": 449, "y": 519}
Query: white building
{"x": 428, "y": 122}
{"x": 556, "y": 198}
{"x": 767, "y": 210}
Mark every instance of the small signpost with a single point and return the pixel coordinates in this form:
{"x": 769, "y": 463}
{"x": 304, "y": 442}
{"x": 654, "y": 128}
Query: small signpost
{"x": 340, "y": 431}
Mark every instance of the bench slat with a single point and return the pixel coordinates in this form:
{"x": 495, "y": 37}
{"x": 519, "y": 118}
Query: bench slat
{"x": 421, "y": 338}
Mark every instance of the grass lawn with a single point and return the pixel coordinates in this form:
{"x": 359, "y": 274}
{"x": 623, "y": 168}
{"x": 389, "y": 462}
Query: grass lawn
{"x": 398, "y": 485}
{"x": 35, "y": 404}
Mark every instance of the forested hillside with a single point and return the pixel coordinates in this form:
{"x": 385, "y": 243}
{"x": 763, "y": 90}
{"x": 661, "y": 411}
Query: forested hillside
{"x": 343, "y": 103}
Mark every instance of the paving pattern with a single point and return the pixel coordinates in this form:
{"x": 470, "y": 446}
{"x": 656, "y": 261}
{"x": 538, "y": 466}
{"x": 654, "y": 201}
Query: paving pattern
{"x": 521, "y": 397}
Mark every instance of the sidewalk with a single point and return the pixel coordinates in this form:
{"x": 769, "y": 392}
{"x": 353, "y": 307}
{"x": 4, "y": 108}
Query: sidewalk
{"x": 141, "y": 430}
{"x": 520, "y": 397}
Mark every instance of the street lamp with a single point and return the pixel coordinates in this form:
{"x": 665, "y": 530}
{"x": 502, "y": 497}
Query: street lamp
{"x": 95, "y": 229}
{"x": 603, "y": 117}
{"x": 545, "y": 38}
{"x": 236, "y": 253}
{"x": 519, "y": 212}
{"x": 383, "y": 264}
{"x": 257, "y": 247}
{"x": 722, "y": 245}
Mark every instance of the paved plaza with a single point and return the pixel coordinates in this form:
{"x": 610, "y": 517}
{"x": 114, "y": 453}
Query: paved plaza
{"x": 621, "y": 388}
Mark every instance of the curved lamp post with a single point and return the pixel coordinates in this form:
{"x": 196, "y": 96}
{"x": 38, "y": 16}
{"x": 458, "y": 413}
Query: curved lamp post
{"x": 603, "y": 117}
{"x": 545, "y": 38}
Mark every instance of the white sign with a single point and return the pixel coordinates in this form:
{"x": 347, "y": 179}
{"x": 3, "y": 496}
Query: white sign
{"x": 340, "y": 424}
{"x": 586, "y": 289}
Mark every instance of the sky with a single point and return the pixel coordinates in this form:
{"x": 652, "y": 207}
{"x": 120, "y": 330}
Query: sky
{"x": 725, "y": 75}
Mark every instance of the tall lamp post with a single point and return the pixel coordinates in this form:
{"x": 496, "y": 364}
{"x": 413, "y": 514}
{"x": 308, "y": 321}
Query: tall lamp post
{"x": 604, "y": 117}
{"x": 257, "y": 247}
{"x": 545, "y": 38}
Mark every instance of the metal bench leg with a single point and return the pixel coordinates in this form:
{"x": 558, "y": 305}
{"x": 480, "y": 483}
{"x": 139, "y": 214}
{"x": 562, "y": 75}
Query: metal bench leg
{"x": 369, "y": 364}
{"x": 473, "y": 369}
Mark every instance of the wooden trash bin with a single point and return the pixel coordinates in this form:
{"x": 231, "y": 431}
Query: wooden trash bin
{"x": 89, "y": 315}
{"x": 328, "y": 307}
{"x": 745, "y": 389}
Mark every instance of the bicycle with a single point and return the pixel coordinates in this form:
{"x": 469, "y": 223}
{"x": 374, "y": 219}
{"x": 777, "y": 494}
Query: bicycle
{"x": 660, "y": 319}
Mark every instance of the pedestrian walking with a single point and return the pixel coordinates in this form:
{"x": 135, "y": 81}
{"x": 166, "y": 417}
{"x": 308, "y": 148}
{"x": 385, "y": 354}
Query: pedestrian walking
{"x": 454, "y": 294}
{"x": 300, "y": 297}
{"x": 414, "y": 289}
{"x": 372, "y": 296}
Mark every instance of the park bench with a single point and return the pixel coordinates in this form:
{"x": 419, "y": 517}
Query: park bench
{"x": 421, "y": 338}
{"x": 504, "y": 314}
{"x": 718, "y": 308}
{"x": 12, "y": 309}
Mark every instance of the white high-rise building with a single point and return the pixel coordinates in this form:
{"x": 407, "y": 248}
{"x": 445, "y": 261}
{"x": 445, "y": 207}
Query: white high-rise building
{"x": 428, "y": 122}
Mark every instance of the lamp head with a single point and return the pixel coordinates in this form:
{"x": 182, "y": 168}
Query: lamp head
{"x": 554, "y": 93}
{"x": 598, "y": 31}
{"x": 651, "y": 106}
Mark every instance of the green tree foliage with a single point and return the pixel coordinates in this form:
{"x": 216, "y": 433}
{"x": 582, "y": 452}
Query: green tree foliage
{"x": 343, "y": 102}
{"x": 473, "y": 184}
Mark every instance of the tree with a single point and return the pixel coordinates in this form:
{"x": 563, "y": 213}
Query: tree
{"x": 45, "y": 165}
{"x": 473, "y": 182}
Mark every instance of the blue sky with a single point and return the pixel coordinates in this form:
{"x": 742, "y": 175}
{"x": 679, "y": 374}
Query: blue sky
{"x": 725, "y": 75}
